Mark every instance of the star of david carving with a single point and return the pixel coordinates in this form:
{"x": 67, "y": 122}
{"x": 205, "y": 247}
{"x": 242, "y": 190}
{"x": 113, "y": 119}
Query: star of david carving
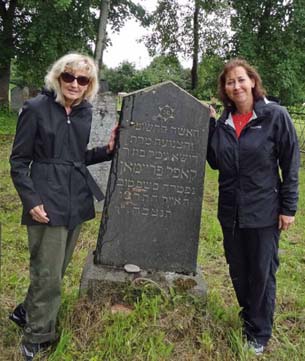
{"x": 166, "y": 113}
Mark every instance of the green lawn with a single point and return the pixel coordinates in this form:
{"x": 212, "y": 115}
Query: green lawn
{"x": 173, "y": 327}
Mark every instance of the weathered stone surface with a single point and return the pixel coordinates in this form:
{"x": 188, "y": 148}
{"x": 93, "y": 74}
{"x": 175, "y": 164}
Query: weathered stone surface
{"x": 152, "y": 210}
{"x": 103, "y": 120}
{"x": 18, "y": 97}
{"x": 108, "y": 284}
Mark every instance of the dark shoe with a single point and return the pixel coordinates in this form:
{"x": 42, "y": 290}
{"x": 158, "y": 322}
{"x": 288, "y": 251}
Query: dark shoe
{"x": 29, "y": 350}
{"x": 19, "y": 316}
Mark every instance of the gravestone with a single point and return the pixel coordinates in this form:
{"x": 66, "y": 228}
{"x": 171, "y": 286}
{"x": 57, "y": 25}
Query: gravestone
{"x": 18, "y": 97}
{"x": 152, "y": 210}
{"x": 103, "y": 120}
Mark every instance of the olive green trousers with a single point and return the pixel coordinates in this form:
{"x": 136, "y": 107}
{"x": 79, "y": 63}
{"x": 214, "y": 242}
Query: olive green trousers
{"x": 51, "y": 249}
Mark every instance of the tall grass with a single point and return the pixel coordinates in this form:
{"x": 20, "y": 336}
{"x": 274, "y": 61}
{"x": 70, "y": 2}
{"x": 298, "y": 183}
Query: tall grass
{"x": 177, "y": 327}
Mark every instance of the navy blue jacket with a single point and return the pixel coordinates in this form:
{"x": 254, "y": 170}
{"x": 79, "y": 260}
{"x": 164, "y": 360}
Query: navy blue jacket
{"x": 49, "y": 158}
{"x": 258, "y": 173}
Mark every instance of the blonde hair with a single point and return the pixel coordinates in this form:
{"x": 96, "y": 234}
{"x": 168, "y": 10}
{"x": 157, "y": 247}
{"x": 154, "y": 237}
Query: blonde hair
{"x": 70, "y": 63}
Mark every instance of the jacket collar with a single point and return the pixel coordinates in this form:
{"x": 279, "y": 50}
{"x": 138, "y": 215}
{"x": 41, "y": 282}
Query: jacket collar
{"x": 51, "y": 94}
{"x": 258, "y": 110}
{"x": 260, "y": 106}
{"x": 229, "y": 120}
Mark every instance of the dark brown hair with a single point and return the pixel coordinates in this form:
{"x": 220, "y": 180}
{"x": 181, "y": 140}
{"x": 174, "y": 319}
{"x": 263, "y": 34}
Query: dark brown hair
{"x": 258, "y": 91}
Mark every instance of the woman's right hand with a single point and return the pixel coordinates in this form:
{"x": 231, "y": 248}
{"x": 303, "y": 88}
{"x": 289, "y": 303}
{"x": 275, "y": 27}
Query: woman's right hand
{"x": 213, "y": 113}
{"x": 39, "y": 215}
{"x": 113, "y": 136}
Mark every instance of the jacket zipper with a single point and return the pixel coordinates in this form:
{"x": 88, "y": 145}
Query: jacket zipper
{"x": 232, "y": 131}
{"x": 250, "y": 123}
{"x": 70, "y": 175}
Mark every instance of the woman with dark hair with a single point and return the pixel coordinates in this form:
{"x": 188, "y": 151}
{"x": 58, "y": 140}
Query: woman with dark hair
{"x": 48, "y": 168}
{"x": 255, "y": 149}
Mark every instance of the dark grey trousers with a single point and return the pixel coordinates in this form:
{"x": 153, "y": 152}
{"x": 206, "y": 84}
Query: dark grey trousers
{"x": 252, "y": 255}
{"x": 51, "y": 249}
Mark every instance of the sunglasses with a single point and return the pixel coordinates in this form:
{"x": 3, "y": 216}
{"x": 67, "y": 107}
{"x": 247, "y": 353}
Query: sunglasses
{"x": 69, "y": 78}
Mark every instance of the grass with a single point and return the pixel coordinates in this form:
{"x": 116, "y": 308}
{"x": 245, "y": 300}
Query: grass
{"x": 178, "y": 327}
{"x": 7, "y": 122}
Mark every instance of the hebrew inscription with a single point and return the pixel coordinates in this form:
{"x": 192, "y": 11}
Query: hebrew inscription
{"x": 161, "y": 151}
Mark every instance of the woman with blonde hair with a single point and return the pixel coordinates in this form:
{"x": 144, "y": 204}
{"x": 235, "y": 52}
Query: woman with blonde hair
{"x": 48, "y": 168}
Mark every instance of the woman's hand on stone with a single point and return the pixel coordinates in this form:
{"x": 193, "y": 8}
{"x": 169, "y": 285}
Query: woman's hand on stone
{"x": 39, "y": 215}
{"x": 112, "y": 139}
{"x": 213, "y": 113}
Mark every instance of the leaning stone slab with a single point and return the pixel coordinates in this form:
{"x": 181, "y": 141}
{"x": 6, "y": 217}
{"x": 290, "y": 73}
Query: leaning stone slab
{"x": 103, "y": 120}
{"x": 18, "y": 97}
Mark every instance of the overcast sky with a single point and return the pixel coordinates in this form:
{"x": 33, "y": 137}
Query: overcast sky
{"x": 125, "y": 46}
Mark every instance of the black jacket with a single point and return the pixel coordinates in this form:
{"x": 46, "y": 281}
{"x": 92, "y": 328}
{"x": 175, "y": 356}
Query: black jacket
{"x": 251, "y": 189}
{"x": 49, "y": 158}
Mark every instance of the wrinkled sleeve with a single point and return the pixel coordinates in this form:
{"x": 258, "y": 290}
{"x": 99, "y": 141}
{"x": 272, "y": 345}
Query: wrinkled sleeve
{"x": 289, "y": 162}
{"x": 22, "y": 156}
{"x": 97, "y": 155}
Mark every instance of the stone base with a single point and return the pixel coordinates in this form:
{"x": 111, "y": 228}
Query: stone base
{"x": 105, "y": 283}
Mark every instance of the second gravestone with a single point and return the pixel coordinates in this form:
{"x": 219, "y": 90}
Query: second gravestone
{"x": 152, "y": 209}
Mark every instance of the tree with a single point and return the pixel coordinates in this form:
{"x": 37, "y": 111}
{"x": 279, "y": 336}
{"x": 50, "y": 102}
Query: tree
{"x": 25, "y": 34}
{"x": 125, "y": 78}
{"x": 167, "y": 67}
{"x": 270, "y": 34}
{"x": 116, "y": 12}
{"x": 54, "y": 30}
{"x": 196, "y": 28}
{"x": 209, "y": 69}
{"x": 8, "y": 11}
{"x": 101, "y": 34}
{"x": 35, "y": 33}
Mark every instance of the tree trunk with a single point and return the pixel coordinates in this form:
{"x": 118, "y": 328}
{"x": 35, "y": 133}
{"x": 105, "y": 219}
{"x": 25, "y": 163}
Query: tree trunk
{"x": 194, "y": 71}
{"x": 101, "y": 35}
{"x": 7, "y": 48}
{"x": 5, "y": 71}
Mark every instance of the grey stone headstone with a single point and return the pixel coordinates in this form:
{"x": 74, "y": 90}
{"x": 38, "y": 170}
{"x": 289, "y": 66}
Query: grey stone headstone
{"x": 103, "y": 120}
{"x": 152, "y": 211}
{"x": 104, "y": 86}
{"x": 18, "y": 97}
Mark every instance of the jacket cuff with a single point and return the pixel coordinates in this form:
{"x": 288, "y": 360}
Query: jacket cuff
{"x": 97, "y": 155}
{"x": 31, "y": 202}
{"x": 287, "y": 212}
{"x": 107, "y": 156}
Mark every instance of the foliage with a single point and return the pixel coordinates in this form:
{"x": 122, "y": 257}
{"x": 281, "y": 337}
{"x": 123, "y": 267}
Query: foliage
{"x": 168, "y": 67}
{"x": 126, "y": 78}
{"x": 271, "y": 35}
{"x": 7, "y": 122}
{"x": 172, "y": 27}
{"x": 122, "y": 10}
{"x": 209, "y": 69}
{"x": 36, "y": 33}
{"x": 72, "y": 28}
{"x": 197, "y": 27}
{"x": 165, "y": 24}
{"x": 115, "y": 12}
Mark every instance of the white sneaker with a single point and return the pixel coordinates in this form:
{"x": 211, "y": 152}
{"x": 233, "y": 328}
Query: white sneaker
{"x": 256, "y": 347}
